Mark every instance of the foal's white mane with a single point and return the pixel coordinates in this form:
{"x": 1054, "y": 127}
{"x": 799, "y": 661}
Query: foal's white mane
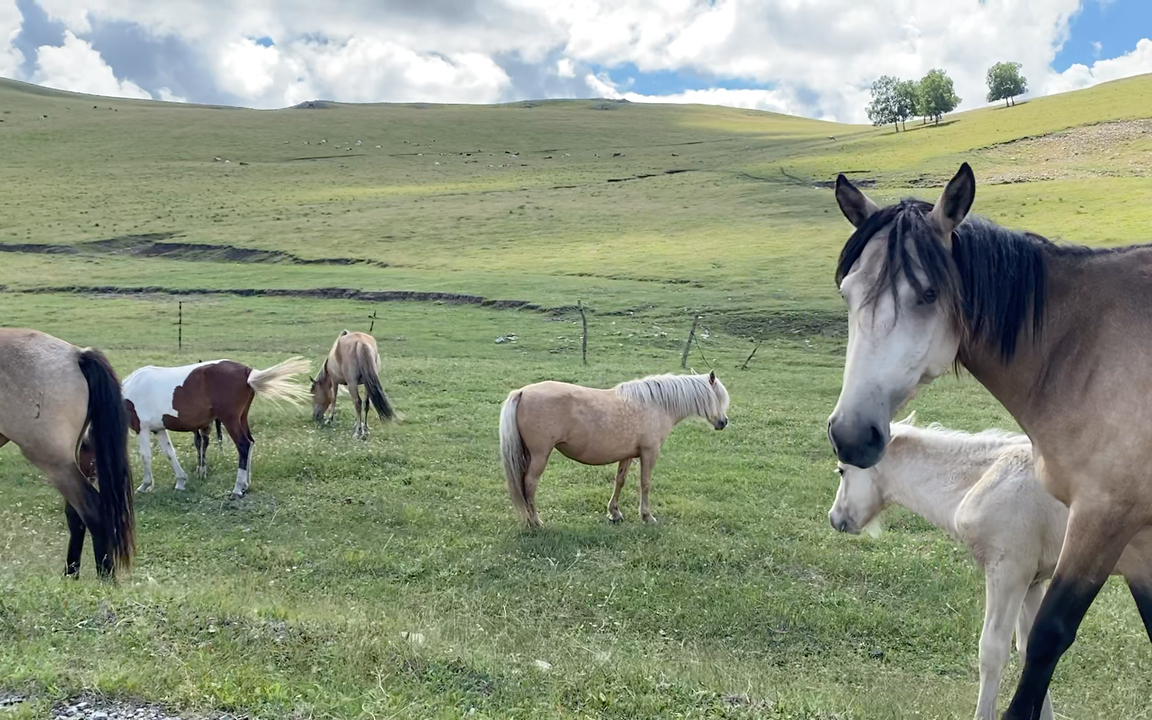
{"x": 681, "y": 395}
{"x": 958, "y": 440}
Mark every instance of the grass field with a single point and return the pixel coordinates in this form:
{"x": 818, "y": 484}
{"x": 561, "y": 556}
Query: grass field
{"x": 389, "y": 579}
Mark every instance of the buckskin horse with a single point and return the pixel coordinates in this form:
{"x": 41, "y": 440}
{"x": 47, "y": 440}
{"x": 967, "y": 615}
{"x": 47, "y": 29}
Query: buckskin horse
{"x": 1060, "y": 335}
{"x": 55, "y": 396}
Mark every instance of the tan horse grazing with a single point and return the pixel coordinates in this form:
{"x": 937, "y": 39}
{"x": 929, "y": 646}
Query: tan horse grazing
{"x": 598, "y": 427}
{"x": 353, "y": 361}
{"x": 1060, "y": 335}
{"x": 53, "y": 397}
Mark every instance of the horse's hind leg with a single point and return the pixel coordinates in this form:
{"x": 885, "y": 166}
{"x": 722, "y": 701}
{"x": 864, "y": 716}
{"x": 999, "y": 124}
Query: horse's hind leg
{"x": 1092, "y": 545}
{"x": 361, "y": 428}
{"x": 76, "y": 530}
{"x": 1004, "y": 593}
{"x": 241, "y": 435}
{"x": 647, "y": 460}
{"x": 536, "y": 465}
{"x": 614, "y": 504}
{"x": 166, "y": 447}
{"x": 202, "y": 438}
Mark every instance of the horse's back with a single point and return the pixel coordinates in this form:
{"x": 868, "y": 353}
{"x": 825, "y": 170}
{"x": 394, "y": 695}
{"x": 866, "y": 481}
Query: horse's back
{"x": 43, "y": 394}
{"x": 156, "y": 391}
{"x": 1008, "y": 512}
{"x": 345, "y": 353}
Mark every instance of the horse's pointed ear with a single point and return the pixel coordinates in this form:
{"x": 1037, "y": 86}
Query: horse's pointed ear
{"x": 855, "y": 205}
{"x": 712, "y": 377}
{"x": 908, "y": 420}
{"x": 954, "y": 203}
{"x": 343, "y": 333}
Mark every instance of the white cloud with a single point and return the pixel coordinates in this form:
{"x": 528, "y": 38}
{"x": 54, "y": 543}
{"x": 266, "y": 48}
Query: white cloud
{"x": 819, "y": 56}
{"x": 1081, "y": 76}
{"x": 76, "y": 66}
{"x": 750, "y": 99}
{"x": 10, "y": 21}
{"x": 167, "y": 95}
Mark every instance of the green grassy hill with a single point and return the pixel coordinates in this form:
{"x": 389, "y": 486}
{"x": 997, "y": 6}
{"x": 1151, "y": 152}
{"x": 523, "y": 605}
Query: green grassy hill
{"x": 443, "y": 228}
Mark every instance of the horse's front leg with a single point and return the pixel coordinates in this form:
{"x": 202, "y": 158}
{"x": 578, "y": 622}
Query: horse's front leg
{"x": 166, "y": 447}
{"x": 1024, "y": 621}
{"x": 1095, "y": 538}
{"x": 614, "y": 504}
{"x": 647, "y": 460}
{"x": 144, "y": 445}
{"x": 1004, "y": 591}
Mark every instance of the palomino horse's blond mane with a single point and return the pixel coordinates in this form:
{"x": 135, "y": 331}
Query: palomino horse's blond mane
{"x": 680, "y": 395}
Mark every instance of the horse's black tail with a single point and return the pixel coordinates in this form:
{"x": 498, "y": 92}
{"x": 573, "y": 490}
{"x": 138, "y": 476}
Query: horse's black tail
{"x": 108, "y": 433}
{"x": 372, "y": 384}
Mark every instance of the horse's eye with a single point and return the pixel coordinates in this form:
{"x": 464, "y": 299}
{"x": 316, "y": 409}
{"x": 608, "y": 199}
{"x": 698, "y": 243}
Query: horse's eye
{"x": 928, "y": 297}
{"x": 840, "y": 471}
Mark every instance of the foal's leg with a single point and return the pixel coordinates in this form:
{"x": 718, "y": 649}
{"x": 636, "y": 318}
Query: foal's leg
{"x": 76, "y": 530}
{"x": 144, "y": 444}
{"x": 647, "y": 460}
{"x": 203, "y": 439}
{"x": 166, "y": 447}
{"x": 614, "y": 504}
{"x": 1004, "y": 592}
{"x": 1024, "y": 621}
{"x": 1095, "y": 538}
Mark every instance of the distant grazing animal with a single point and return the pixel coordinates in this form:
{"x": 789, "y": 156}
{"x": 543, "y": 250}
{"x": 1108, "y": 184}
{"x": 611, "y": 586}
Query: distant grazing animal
{"x": 190, "y": 397}
{"x": 53, "y": 396}
{"x": 598, "y": 427}
{"x": 982, "y": 490}
{"x": 1060, "y": 335}
{"x": 353, "y": 361}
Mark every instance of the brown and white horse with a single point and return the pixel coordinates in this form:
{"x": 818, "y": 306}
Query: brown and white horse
{"x": 188, "y": 398}
{"x": 51, "y": 394}
{"x": 598, "y": 427}
{"x": 1060, "y": 335}
{"x": 352, "y": 361}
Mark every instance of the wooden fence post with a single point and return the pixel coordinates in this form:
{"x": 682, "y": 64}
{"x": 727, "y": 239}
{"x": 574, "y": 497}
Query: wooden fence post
{"x": 584, "y": 336}
{"x": 688, "y": 344}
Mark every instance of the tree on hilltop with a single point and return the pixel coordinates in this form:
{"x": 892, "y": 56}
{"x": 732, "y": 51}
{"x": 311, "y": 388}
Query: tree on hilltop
{"x": 906, "y": 100}
{"x": 937, "y": 95}
{"x": 882, "y": 109}
{"x": 1005, "y": 82}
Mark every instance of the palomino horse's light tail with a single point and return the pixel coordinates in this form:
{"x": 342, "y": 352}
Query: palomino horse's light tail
{"x": 108, "y": 435}
{"x": 275, "y": 382}
{"x": 514, "y": 454}
{"x": 366, "y": 369}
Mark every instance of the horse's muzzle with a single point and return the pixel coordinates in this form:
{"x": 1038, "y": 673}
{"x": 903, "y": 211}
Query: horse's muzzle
{"x": 858, "y": 444}
{"x": 720, "y": 424}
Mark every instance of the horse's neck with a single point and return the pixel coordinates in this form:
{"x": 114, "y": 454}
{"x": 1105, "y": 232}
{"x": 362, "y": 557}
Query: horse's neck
{"x": 1023, "y": 385}
{"x": 931, "y": 476}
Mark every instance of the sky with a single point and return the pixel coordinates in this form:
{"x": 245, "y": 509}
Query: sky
{"x": 814, "y": 58}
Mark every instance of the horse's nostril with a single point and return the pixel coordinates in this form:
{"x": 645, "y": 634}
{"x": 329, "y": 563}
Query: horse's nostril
{"x": 843, "y": 526}
{"x": 875, "y": 436}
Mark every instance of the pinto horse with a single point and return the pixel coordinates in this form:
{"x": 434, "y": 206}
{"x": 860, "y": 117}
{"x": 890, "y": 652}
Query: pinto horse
{"x": 1059, "y": 334}
{"x": 352, "y": 361}
{"x": 190, "y": 397}
{"x": 599, "y": 427}
{"x": 55, "y": 396}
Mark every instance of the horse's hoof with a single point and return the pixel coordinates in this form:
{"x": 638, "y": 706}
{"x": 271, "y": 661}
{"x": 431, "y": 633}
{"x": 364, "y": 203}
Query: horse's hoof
{"x": 651, "y": 520}
{"x": 616, "y": 519}
{"x": 144, "y": 488}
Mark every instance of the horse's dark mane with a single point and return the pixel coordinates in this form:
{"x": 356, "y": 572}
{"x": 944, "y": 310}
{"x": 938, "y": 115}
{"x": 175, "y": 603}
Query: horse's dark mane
{"x": 993, "y": 278}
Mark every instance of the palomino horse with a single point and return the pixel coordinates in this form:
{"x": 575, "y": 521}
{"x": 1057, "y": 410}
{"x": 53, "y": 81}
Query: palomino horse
{"x": 190, "y": 397}
{"x": 982, "y": 490}
{"x": 353, "y": 361}
{"x": 51, "y": 393}
{"x": 598, "y": 427}
{"x": 1058, "y": 334}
